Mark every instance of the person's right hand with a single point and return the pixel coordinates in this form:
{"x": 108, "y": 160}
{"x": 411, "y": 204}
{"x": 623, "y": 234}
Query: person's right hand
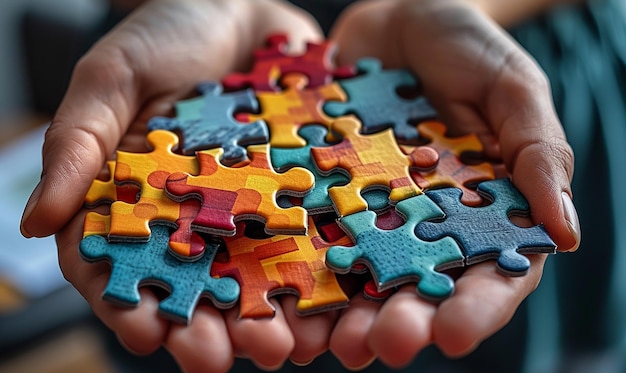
{"x": 139, "y": 70}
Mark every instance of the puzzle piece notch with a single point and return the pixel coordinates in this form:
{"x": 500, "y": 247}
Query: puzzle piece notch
{"x": 282, "y": 264}
{"x": 373, "y": 98}
{"x": 373, "y": 162}
{"x": 451, "y": 171}
{"x": 229, "y": 194}
{"x": 273, "y": 62}
{"x": 209, "y": 122}
{"x": 288, "y": 110}
{"x": 398, "y": 256}
{"x": 487, "y": 232}
{"x": 135, "y": 264}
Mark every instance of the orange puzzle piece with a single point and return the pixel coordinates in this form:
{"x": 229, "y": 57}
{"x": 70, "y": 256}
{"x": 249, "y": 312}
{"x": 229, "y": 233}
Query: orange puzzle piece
{"x": 131, "y": 222}
{"x": 282, "y": 264}
{"x": 285, "y": 112}
{"x": 451, "y": 171}
{"x": 247, "y": 192}
{"x": 373, "y": 162}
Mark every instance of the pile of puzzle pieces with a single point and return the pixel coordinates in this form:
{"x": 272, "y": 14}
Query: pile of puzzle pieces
{"x": 276, "y": 180}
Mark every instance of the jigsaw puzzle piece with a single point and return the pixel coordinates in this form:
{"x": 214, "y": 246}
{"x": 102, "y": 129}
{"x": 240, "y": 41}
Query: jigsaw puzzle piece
{"x": 248, "y": 192}
{"x": 487, "y": 232}
{"x": 398, "y": 256}
{"x": 317, "y": 200}
{"x": 374, "y": 99}
{"x": 96, "y": 224}
{"x": 373, "y": 162}
{"x": 286, "y": 111}
{"x": 135, "y": 264}
{"x": 131, "y": 221}
{"x": 282, "y": 264}
{"x": 451, "y": 171}
{"x": 274, "y": 61}
{"x": 209, "y": 122}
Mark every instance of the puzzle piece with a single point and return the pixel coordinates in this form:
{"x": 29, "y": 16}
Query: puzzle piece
{"x": 398, "y": 256}
{"x": 286, "y": 111}
{"x": 208, "y": 122}
{"x": 487, "y": 232}
{"x": 282, "y": 264}
{"x": 131, "y": 222}
{"x": 247, "y": 192}
{"x": 373, "y": 98}
{"x": 273, "y": 62}
{"x": 135, "y": 264}
{"x": 316, "y": 201}
{"x": 373, "y": 162}
{"x": 451, "y": 171}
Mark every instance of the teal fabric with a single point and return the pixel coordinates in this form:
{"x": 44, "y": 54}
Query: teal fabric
{"x": 583, "y": 52}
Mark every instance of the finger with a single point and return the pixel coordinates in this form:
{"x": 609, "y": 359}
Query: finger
{"x": 349, "y": 338}
{"x": 536, "y": 152}
{"x": 139, "y": 328}
{"x": 484, "y": 301}
{"x": 203, "y": 345}
{"x": 403, "y": 327}
{"x": 267, "y": 342}
{"x": 311, "y": 333}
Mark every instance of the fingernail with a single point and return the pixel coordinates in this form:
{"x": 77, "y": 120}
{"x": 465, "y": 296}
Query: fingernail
{"x": 571, "y": 217}
{"x": 30, "y": 206}
{"x": 299, "y": 364}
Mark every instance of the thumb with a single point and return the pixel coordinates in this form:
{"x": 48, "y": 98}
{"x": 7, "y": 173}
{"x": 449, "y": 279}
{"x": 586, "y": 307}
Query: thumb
{"x": 87, "y": 127}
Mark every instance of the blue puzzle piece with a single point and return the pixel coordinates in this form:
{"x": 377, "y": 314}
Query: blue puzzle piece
{"x": 487, "y": 232}
{"x": 317, "y": 200}
{"x": 372, "y": 97}
{"x": 208, "y": 122}
{"x": 398, "y": 256}
{"x": 135, "y": 264}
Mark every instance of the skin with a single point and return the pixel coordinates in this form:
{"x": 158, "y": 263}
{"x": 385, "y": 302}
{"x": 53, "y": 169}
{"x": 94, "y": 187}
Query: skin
{"x": 474, "y": 74}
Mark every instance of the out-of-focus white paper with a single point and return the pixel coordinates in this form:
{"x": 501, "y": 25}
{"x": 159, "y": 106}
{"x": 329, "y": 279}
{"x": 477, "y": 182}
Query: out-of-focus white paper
{"x": 29, "y": 264}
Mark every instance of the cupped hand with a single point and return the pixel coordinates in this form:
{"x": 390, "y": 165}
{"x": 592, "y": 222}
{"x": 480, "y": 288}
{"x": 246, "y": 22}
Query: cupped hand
{"x": 480, "y": 81}
{"x": 154, "y": 58}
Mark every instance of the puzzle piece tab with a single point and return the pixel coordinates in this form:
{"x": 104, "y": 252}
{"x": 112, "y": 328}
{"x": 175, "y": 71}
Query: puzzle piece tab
{"x": 373, "y": 98}
{"x": 487, "y": 232}
{"x": 248, "y": 192}
{"x": 282, "y": 264}
{"x": 398, "y": 256}
{"x": 373, "y": 162}
{"x": 208, "y": 122}
{"x": 271, "y": 63}
{"x": 451, "y": 171}
{"x": 135, "y": 264}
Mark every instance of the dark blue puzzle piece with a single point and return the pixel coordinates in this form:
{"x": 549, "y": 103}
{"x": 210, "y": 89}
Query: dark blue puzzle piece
{"x": 487, "y": 232}
{"x": 373, "y": 98}
{"x": 208, "y": 122}
{"x": 398, "y": 256}
{"x": 134, "y": 264}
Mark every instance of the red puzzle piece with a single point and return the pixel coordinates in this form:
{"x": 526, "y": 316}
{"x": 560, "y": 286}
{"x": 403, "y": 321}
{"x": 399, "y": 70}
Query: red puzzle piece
{"x": 273, "y": 62}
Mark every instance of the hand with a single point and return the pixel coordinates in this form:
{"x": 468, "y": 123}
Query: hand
{"x": 139, "y": 70}
{"x": 480, "y": 81}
